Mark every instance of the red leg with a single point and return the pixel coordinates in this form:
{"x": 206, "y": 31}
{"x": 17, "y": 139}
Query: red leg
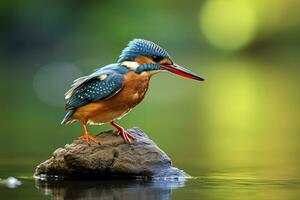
{"x": 125, "y": 135}
{"x": 86, "y": 136}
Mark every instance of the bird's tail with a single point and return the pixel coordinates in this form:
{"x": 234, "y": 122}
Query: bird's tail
{"x": 67, "y": 119}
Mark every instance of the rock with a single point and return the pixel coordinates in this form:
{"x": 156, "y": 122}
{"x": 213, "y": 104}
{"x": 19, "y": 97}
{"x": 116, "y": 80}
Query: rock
{"x": 112, "y": 159}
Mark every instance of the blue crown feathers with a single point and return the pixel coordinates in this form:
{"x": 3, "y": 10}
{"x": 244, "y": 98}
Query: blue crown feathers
{"x": 141, "y": 47}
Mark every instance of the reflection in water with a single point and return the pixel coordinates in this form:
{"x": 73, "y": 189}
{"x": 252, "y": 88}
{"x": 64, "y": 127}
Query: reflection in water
{"x": 109, "y": 189}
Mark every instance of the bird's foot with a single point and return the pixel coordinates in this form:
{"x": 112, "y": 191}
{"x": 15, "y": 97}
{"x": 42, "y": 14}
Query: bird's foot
{"x": 87, "y": 138}
{"x": 121, "y": 131}
{"x": 125, "y": 135}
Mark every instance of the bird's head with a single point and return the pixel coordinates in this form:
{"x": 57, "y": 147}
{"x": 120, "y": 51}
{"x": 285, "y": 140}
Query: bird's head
{"x": 145, "y": 56}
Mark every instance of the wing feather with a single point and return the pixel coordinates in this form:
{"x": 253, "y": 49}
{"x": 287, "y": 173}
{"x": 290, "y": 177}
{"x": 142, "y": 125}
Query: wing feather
{"x": 76, "y": 84}
{"x": 95, "y": 87}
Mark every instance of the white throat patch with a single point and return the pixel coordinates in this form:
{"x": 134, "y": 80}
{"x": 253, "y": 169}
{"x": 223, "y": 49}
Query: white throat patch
{"x": 131, "y": 64}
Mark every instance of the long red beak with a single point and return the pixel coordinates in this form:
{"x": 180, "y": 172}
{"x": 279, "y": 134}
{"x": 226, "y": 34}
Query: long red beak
{"x": 181, "y": 71}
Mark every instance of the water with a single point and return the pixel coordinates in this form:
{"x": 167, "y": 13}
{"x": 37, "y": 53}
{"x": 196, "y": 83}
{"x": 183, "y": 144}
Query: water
{"x": 212, "y": 186}
{"x": 237, "y": 135}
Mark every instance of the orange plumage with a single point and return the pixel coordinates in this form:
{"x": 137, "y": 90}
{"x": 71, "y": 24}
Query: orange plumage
{"x": 104, "y": 111}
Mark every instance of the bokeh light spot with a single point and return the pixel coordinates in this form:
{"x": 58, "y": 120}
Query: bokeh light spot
{"x": 228, "y": 25}
{"x": 232, "y": 98}
{"x": 51, "y": 82}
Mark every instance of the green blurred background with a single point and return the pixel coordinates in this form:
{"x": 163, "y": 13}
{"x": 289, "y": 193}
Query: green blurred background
{"x": 245, "y": 116}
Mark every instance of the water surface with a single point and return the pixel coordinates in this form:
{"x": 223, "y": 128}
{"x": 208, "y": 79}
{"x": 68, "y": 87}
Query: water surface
{"x": 212, "y": 185}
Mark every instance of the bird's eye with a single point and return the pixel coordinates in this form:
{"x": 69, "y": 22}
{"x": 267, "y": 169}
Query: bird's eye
{"x": 157, "y": 58}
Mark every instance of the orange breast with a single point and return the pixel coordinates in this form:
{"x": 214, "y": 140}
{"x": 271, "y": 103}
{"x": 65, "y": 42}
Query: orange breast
{"x": 103, "y": 111}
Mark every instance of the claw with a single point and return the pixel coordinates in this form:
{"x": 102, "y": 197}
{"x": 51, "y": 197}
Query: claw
{"x": 124, "y": 134}
{"x": 87, "y": 138}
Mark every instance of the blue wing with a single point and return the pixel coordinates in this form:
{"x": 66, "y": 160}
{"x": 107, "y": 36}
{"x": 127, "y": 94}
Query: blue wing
{"x": 98, "y": 86}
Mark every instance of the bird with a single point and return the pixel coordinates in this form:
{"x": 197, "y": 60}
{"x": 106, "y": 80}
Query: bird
{"x": 111, "y": 92}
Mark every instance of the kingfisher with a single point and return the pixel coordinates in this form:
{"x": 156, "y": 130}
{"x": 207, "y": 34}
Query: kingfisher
{"x": 114, "y": 90}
